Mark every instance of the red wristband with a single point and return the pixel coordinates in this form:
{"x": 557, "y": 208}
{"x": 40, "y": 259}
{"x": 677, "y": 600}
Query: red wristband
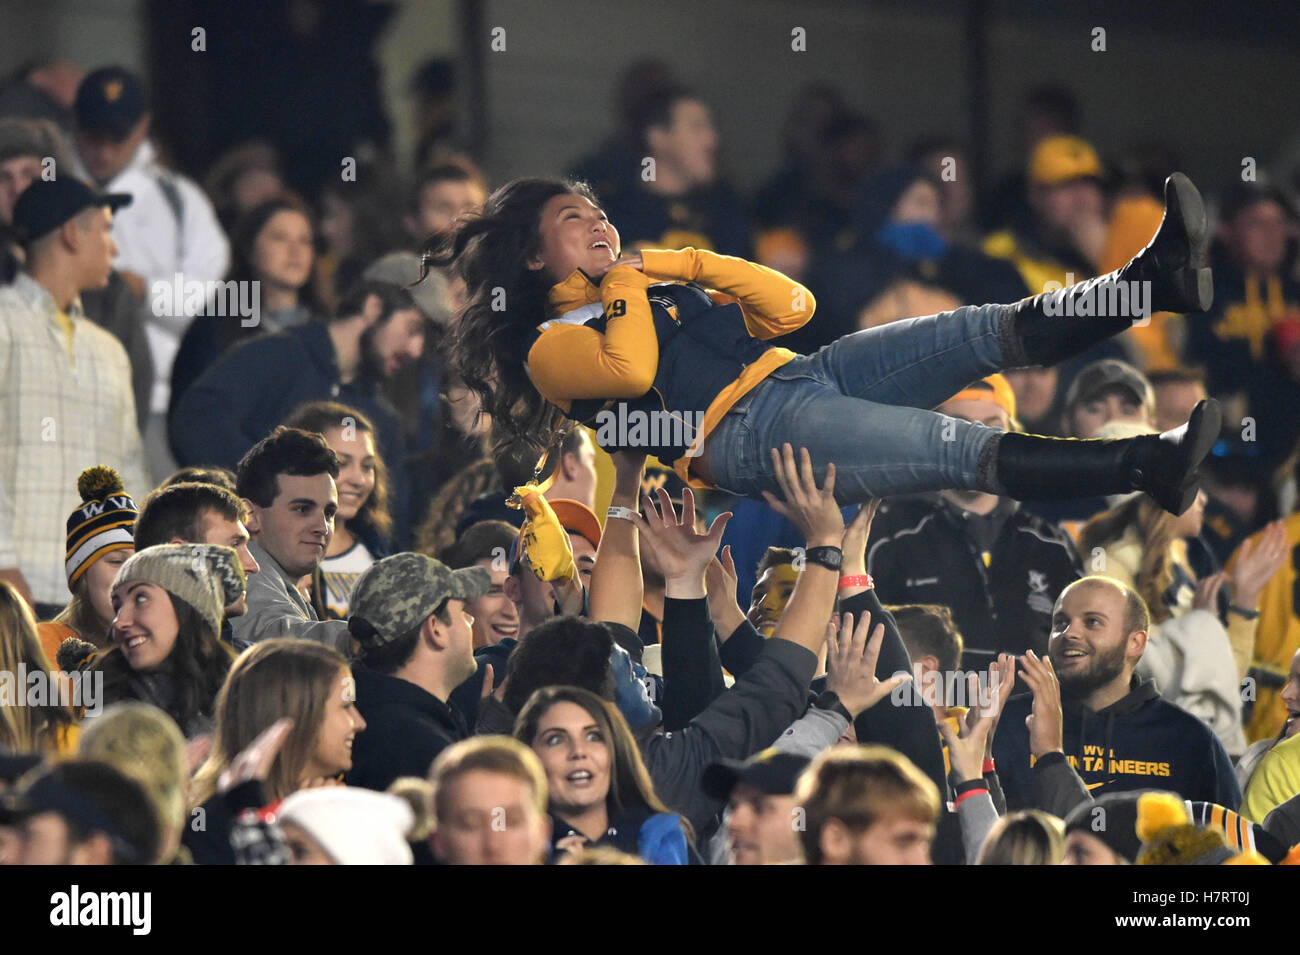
{"x": 966, "y": 795}
{"x": 857, "y": 580}
{"x": 989, "y": 767}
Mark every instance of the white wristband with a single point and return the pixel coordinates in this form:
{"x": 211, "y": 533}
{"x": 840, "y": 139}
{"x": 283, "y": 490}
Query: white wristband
{"x": 624, "y": 513}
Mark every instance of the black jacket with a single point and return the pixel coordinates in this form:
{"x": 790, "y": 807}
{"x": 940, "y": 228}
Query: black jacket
{"x": 406, "y": 728}
{"x": 252, "y": 388}
{"x": 1150, "y": 742}
{"x": 623, "y": 834}
{"x": 920, "y": 552}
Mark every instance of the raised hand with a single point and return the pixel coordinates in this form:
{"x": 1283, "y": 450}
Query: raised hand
{"x": 196, "y": 751}
{"x": 683, "y": 553}
{"x": 256, "y": 760}
{"x": 811, "y": 509}
{"x": 1207, "y": 593}
{"x": 721, "y": 580}
{"x": 966, "y": 749}
{"x": 1257, "y": 561}
{"x": 628, "y": 465}
{"x": 1002, "y": 679}
{"x": 851, "y": 664}
{"x": 1045, "y": 721}
{"x": 854, "y": 542}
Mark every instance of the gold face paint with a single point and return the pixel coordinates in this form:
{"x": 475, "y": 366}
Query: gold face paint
{"x": 771, "y": 594}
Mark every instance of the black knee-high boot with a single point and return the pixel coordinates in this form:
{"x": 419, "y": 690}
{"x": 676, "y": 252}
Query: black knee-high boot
{"x": 1165, "y": 466}
{"x": 1169, "y": 275}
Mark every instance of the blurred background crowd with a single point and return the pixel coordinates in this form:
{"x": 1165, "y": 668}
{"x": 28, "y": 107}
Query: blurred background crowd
{"x": 898, "y": 161}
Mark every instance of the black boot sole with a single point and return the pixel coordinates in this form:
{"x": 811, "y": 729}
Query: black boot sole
{"x": 1198, "y": 437}
{"x": 1190, "y": 283}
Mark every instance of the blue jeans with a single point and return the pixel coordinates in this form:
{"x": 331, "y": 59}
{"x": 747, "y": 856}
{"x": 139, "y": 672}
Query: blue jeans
{"x": 862, "y": 403}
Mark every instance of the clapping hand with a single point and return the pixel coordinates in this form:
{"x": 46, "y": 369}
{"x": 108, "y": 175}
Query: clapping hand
{"x": 1257, "y": 561}
{"x": 1045, "y": 721}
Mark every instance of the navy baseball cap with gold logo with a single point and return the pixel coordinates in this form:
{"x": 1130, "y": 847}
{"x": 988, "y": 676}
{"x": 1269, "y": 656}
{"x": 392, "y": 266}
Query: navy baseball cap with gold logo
{"x": 110, "y": 102}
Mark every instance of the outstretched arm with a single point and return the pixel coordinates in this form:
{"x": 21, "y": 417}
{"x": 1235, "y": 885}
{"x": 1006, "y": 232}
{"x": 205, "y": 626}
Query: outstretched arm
{"x": 692, "y": 672}
{"x": 774, "y": 304}
{"x": 616, "y": 585}
{"x": 814, "y": 511}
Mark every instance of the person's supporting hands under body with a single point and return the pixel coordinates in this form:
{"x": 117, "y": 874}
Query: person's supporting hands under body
{"x": 854, "y": 546}
{"x": 682, "y": 552}
{"x": 815, "y": 513}
{"x": 692, "y": 671}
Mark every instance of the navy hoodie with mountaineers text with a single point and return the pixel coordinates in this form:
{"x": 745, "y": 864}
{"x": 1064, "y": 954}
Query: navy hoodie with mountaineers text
{"x": 1138, "y": 742}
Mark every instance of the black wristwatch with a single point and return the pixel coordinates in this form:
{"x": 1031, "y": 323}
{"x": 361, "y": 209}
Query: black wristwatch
{"x": 830, "y": 700}
{"x": 829, "y": 557}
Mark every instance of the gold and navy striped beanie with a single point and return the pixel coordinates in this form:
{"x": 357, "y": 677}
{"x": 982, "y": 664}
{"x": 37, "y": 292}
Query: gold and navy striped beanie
{"x": 104, "y": 522}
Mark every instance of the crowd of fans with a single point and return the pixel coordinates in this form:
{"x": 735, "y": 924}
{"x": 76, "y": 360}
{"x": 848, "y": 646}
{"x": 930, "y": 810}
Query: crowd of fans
{"x": 292, "y": 617}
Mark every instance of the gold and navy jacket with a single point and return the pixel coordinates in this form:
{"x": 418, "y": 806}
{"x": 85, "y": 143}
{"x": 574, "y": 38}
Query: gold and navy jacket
{"x": 686, "y": 336}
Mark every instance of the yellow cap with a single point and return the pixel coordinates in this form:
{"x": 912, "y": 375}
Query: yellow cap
{"x": 1001, "y": 395}
{"x": 1059, "y": 159}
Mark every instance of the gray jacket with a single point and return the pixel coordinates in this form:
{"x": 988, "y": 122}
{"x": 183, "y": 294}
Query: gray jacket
{"x": 766, "y": 699}
{"x": 277, "y": 609}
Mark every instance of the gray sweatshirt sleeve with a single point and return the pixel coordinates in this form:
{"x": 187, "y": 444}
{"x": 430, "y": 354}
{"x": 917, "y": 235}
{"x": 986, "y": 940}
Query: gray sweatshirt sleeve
{"x": 977, "y": 815}
{"x": 1057, "y": 787}
{"x": 283, "y": 620}
{"x": 811, "y": 733}
{"x": 273, "y": 613}
{"x": 739, "y": 723}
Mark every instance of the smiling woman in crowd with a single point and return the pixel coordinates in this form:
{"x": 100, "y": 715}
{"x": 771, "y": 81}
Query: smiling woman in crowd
{"x": 168, "y": 602}
{"x": 286, "y": 677}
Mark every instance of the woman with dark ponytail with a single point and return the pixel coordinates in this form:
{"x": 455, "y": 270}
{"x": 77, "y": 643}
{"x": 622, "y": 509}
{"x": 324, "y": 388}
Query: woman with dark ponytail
{"x": 669, "y": 351}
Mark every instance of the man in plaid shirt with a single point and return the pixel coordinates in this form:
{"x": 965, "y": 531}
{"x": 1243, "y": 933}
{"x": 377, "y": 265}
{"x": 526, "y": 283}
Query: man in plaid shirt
{"x": 66, "y": 401}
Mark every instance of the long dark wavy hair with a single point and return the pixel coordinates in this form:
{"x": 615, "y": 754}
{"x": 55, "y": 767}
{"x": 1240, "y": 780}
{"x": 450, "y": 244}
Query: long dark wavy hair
{"x": 199, "y": 662}
{"x": 630, "y": 786}
{"x": 490, "y": 251}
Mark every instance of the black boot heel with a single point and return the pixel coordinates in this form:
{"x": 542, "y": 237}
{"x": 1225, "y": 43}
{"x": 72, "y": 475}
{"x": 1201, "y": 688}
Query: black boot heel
{"x": 1170, "y": 275}
{"x": 1175, "y": 261}
{"x": 1165, "y": 466}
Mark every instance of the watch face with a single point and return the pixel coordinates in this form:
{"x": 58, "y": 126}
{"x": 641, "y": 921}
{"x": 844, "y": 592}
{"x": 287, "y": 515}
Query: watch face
{"x": 827, "y": 557}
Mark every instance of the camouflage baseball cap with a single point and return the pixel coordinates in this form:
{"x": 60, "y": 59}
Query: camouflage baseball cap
{"x": 397, "y": 594}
